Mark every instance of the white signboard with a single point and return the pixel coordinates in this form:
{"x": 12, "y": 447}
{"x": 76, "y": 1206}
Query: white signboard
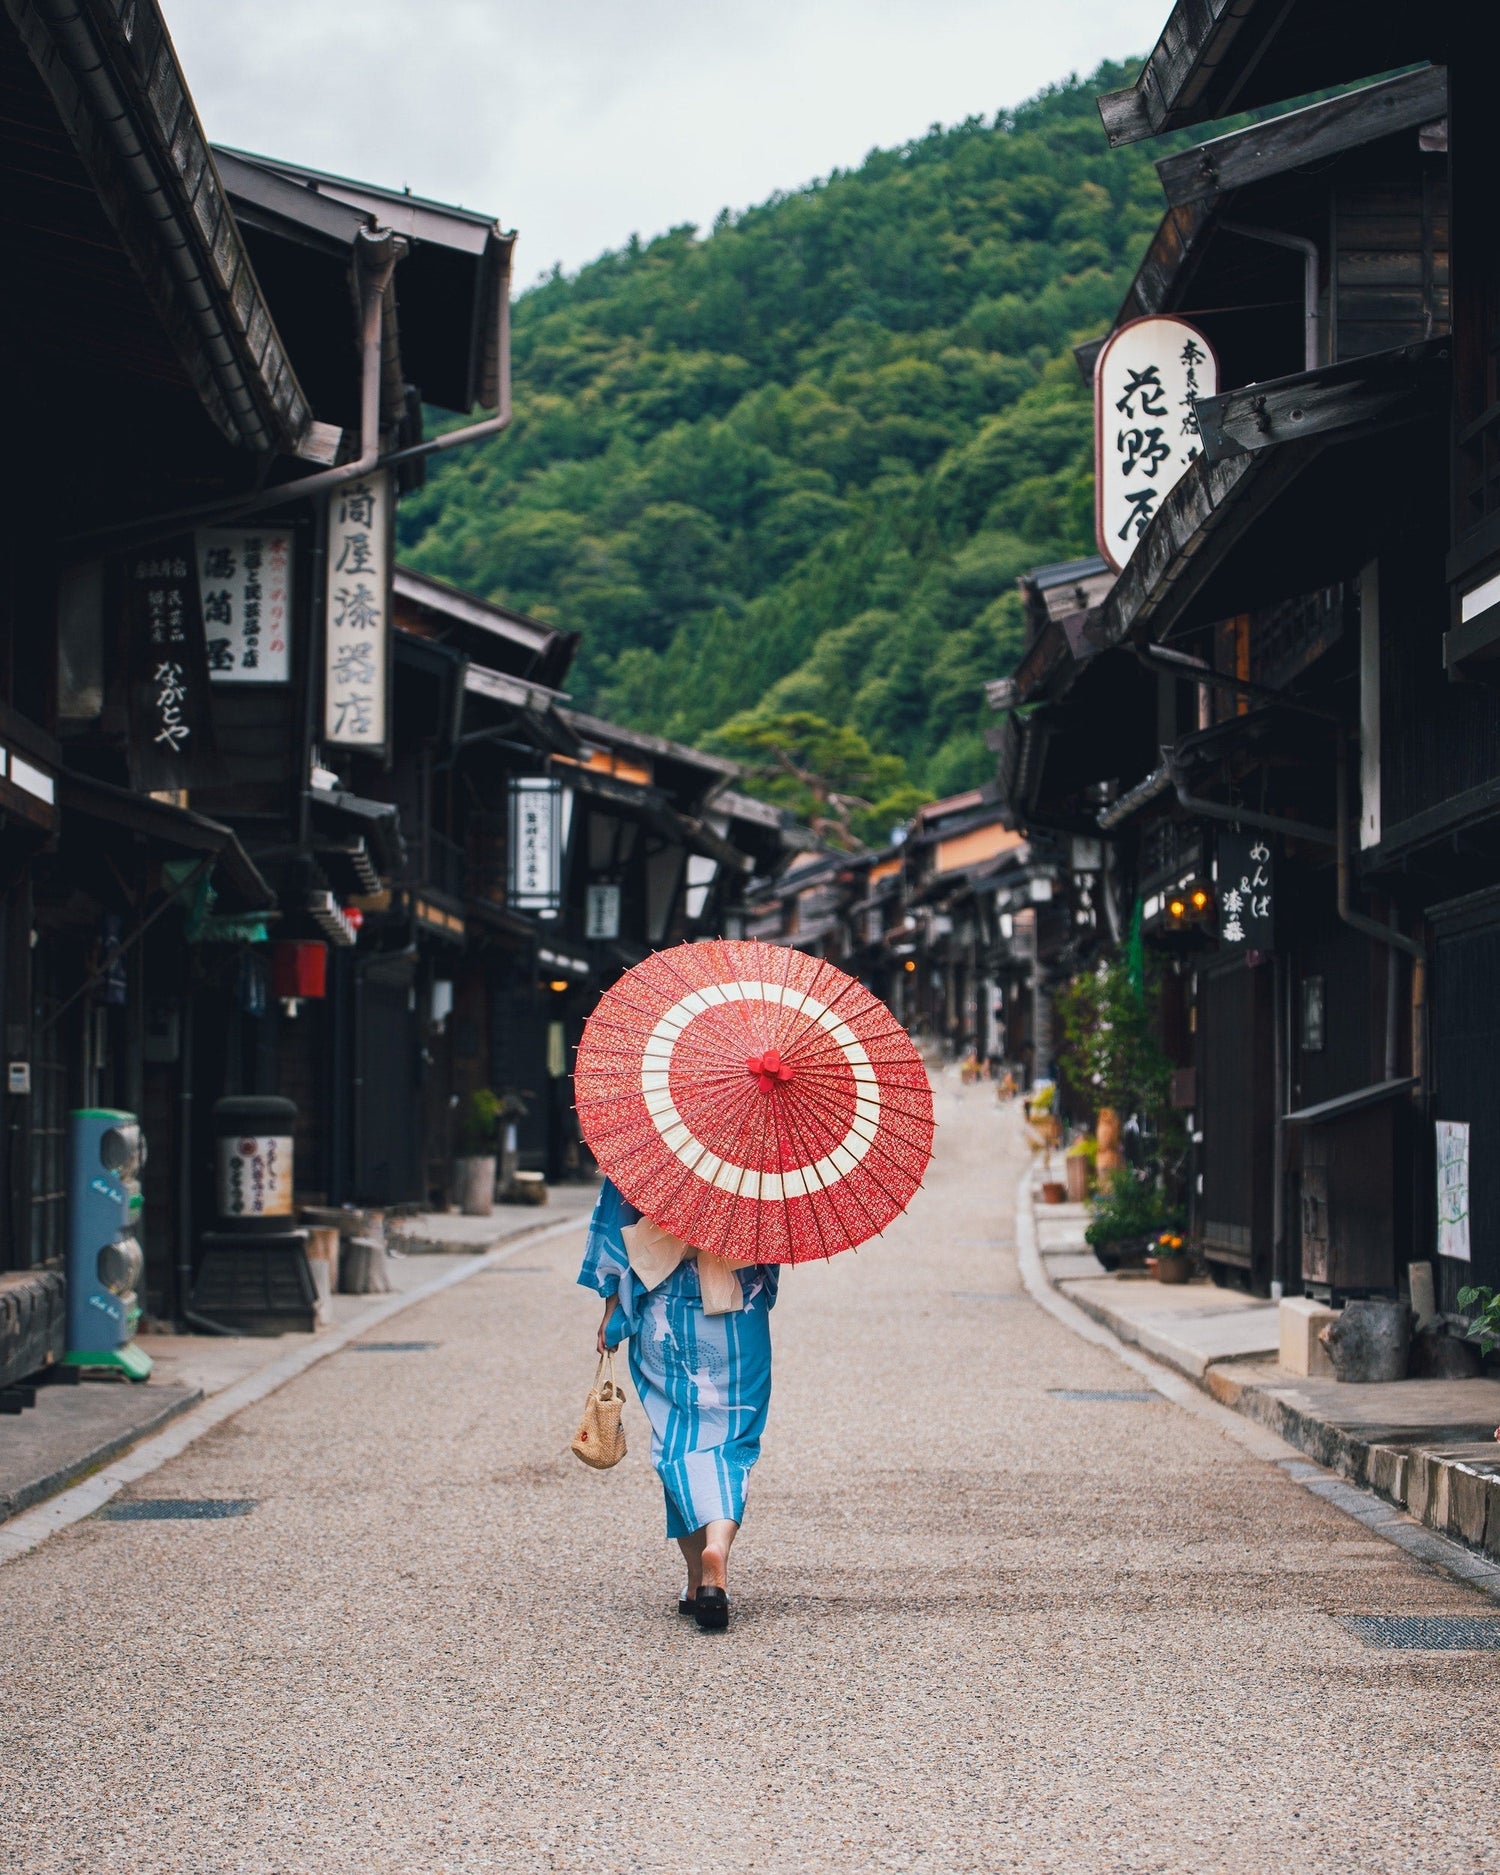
{"x": 255, "y": 1176}
{"x": 1145, "y": 428}
{"x": 245, "y": 577}
{"x": 535, "y": 843}
{"x": 1453, "y": 1189}
{"x": 602, "y": 913}
{"x": 357, "y": 632}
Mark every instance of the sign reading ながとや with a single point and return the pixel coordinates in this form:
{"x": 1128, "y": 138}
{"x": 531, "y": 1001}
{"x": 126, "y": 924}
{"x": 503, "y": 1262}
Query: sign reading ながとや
{"x": 1146, "y": 380}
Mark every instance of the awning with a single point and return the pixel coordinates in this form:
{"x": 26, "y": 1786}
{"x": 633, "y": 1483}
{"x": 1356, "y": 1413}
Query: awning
{"x": 173, "y": 830}
{"x": 1336, "y": 1108}
{"x": 340, "y": 820}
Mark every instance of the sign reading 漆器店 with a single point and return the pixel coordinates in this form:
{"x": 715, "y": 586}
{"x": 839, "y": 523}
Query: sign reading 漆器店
{"x": 245, "y": 577}
{"x": 1147, "y": 379}
{"x": 357, "y": 619}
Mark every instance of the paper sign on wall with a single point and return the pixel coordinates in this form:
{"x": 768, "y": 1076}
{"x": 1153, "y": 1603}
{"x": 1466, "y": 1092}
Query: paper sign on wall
{"x": 245, "y": 575}
{"x": 1453, "y": 1189}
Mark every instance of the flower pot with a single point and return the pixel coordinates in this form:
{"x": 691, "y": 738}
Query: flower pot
{"x": 474, "y": 1180}
{"x": 1121, "y": 1252}
{"x": 1170, "y": 1269}
{"x": 1079, "y": 1173}
{"x": 1054, "y": 1191}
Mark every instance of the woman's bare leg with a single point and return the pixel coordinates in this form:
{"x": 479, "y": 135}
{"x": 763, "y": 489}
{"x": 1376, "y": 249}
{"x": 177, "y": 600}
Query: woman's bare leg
{"x": 716, "y": 1539}
{"x": 692, "y": 1555}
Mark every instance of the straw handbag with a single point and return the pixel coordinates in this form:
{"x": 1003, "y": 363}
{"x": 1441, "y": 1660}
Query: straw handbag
{"x": 600, "y": 1438}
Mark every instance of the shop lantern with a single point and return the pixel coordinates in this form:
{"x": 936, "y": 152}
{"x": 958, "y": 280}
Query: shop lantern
{"x": 299, "y": 969}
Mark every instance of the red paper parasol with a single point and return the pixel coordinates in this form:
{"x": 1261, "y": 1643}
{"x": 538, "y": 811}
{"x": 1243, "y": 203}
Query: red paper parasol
{"x": 754, "y": 1101}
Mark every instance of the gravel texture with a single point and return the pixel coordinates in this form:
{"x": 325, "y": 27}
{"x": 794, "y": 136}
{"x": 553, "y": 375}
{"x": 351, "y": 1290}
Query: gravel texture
{"x": 977, "y": 1626}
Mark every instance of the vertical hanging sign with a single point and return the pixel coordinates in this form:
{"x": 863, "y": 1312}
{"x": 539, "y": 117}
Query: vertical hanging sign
{"x": 357, "y": 616}
{"x": 245, "y": 576}
{"x": 171, "y": 724}
{"x": 1247, "y": 890}
{"x": 535, "y": 844}
{"x": 1453, "y": 1189}
{"x": 1147, "y": 379}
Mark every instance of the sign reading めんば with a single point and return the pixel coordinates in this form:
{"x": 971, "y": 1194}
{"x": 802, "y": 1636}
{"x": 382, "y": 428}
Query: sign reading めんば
{"x": 1146, "y": 379}
{"x": 357, "y": 631}
{"x": 1247, "y": 890}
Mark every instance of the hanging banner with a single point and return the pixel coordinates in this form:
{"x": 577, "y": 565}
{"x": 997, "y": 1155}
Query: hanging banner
{"x": 602, "y": 913}
{"x": 357, "y": 631}
{"x": 535, "y": 844}
{"x": 171, "y": 721}
{"x": 1146, "y": 379}
{"x": 1453, "y": 1189}
{"x": 245, "y": 576}
{"x": 1247, "y": 891}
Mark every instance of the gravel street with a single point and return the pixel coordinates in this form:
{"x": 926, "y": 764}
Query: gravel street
{"x": 977, "y": 1625}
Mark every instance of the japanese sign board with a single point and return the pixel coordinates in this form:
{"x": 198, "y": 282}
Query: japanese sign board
{"x": 1247, "y": 890}
{"x": 1453, "y": 1189}
{"x": 171, "y": 723}
{"x": 1146, "y": 379}
{"x": 602, "y": 913}
{"x": 255, "y": 1176}
{"x": 357, "y": 625}
{"x": 245, "y": 577}
{"x": 535, "y": 843}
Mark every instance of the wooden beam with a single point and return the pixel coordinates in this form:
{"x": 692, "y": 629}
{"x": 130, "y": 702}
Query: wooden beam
{"x": 1364, "y": 393}
{"x": 1307, "y": 136}
{"x": 1195, "y": 29}
{"x": 1200, "y": 519}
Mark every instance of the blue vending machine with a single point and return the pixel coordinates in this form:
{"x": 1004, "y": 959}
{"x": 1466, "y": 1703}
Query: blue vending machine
{"x": 105, "y": 1264}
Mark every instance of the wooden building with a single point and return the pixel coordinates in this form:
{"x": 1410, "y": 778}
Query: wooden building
{"x": 1294, "y": 661}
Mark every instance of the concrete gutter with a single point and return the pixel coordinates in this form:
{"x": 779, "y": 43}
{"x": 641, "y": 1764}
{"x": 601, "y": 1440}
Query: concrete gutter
{"x": 32, "y": 1527}
{"x": 1423, "y": 1481}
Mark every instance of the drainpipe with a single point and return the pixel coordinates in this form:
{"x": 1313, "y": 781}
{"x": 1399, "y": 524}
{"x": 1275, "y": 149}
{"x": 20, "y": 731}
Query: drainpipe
{"x": 1312, "y": 350}
{"x": 1372, "y": 927}
{"x": 377, "y": 275}
{"x": 1245, "y": 816}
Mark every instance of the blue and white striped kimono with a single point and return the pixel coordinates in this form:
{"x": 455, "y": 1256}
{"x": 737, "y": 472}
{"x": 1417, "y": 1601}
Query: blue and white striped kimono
{"x": 704, "y": 1380}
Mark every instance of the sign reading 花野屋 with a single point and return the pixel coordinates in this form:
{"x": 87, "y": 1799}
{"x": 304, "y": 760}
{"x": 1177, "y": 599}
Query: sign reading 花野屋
{"x": 357, "y": 622}
{"x": 245, "y": 577}
{"x": 1146, "y": 379}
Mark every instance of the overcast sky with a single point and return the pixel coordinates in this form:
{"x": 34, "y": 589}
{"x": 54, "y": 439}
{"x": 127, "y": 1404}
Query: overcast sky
{"x": 580, "y": 122}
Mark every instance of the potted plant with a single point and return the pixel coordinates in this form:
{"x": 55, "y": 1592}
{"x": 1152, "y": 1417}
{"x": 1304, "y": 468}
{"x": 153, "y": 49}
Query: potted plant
{"x": 474, "y": 1165}
{"x": 1079, "y": 1165}
{"x": 1129, "y": 1213}
{"x": 1169, "y": 1260}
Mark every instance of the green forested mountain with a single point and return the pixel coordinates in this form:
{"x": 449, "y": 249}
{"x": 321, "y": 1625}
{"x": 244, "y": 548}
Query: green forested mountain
{"x": 795, "y": 465}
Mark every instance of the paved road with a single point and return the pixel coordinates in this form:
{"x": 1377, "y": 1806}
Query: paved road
{"x": 977, "y": 1626}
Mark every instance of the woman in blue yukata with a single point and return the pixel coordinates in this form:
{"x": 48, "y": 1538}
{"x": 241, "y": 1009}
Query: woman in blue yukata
{"x": 700, "y": 1350}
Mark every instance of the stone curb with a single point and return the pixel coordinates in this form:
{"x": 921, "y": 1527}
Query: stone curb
{"x": 1346, "y": 1471}
{"x": 33, "y": 1527}
{"x": 38, "y": 1490}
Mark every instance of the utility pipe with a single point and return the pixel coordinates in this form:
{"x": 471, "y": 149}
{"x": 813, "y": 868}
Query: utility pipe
{"x": 1372, "y": 927}
{"x": 1308, "y": 249}
{"x": 1272, "y": 823}
{"x": 1193, "y": 670}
